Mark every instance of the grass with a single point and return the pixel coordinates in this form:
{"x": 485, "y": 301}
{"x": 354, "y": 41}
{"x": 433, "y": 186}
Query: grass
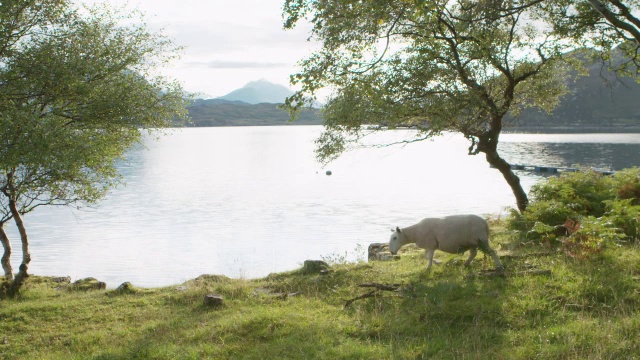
{"x": 586, "y": 309}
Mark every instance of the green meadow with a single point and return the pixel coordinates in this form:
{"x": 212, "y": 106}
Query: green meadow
{"x": 570, "y": 291}
{"x": 583, "y": 309}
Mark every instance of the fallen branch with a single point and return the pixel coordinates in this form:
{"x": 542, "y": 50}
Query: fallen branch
{"x": 372, "y": 293}
{"x": 522, "y": 256}
{"x": 494, "y": 273}
{"x": 391, "y": 287}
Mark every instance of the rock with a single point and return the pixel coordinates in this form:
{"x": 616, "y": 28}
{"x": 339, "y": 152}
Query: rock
{"x": 387, "y": 256}
{"x": 182, "y": 288}
{"x": 213, "y": 300}
{"x": 315, "y": 266}
{"x": 374, "y": 249}
{"x": 88, "y": 284}
{"x": 212, "y": 278}
{"x": 61, "y": 279}
{"x": 126, "y": 287}
{"x": 377, "y": 253}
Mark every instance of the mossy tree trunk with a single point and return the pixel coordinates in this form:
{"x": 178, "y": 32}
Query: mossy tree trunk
{"x": 6, "y": 256}
{"x": 22, "y": 274}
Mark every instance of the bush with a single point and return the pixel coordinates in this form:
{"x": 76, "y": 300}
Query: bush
{"x": 583, "y": 211}
{"x": 625, "y": 216}
{"x": 589, "y": 237}
{"x": 626, "y": 185}
{"x": 583, "y": 192}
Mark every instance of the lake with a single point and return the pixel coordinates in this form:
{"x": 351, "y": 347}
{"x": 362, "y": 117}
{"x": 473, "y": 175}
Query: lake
{"x": 248, "y": 201}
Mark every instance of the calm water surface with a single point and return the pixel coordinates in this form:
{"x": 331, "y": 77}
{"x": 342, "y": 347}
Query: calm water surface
{"x": 245, "y": 202}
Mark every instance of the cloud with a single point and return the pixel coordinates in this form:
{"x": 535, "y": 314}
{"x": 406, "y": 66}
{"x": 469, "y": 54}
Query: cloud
{"x": 219, "y": 64}
{"x": 224, "y": 38}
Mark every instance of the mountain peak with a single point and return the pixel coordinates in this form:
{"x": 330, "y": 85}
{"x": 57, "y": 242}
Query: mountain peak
{"x": 259, "y": 91}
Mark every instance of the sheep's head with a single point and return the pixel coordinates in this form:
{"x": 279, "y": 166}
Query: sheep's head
{"x": 396, "y": 241}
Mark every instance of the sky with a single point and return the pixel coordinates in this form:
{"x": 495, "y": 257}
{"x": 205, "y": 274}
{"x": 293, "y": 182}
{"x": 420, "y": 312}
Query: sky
{"x": 228, "y": 43}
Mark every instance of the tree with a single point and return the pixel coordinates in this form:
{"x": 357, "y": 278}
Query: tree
{"x": 604, "y": 25}
{"x": 435, "y": 65}
{"x": 77, "y": 89}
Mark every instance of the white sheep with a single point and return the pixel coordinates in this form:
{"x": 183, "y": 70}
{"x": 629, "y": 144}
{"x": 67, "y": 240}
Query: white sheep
{"x": 452, "y": 234}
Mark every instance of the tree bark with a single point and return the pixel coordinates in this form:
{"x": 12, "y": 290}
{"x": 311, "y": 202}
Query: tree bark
{"x": 522, "y": 201}
{"x": 6, "y": 256}
{"x": 22, "y": 274}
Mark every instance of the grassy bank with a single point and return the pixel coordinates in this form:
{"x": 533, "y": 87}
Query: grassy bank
{"x": 585, "y": 309}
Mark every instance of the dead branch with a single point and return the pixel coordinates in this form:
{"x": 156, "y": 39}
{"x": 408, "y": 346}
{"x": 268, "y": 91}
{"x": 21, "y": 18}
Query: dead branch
{"x": 522, "y": 256}
{"x": 391, "y": 287}
{"x": 371, "y": 293}
{"x": 494, "y": 273}
{"x": 378, "y": 287}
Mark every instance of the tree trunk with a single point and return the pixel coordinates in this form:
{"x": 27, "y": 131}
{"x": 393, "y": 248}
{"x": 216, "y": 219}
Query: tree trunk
{"x": 512, "y": 179}
{"x": 6, "y": 256}
{"x": 22, "y": 275}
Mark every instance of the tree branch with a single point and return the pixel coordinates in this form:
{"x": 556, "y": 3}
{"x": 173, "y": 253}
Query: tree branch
{"x": 614, "y": 20}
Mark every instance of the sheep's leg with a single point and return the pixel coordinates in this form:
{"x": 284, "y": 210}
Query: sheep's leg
{"x": 484, "y": 246}
{"x": 472, "y": 255}
{"x": 496, "y": 259}
{"x": 428, "y": 254}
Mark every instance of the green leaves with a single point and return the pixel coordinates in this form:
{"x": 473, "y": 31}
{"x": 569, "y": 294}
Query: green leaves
{"x": 457, "y": 66}
{"x": 76, "y": 91}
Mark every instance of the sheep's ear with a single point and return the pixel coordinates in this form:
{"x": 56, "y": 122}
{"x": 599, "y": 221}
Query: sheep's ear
{"x": 397, "y": 229}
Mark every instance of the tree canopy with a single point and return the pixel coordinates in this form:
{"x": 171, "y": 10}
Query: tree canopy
{"x": 77, "y": 89}
{"x": 440, "y": 66}
{"x": 433, "y": 65}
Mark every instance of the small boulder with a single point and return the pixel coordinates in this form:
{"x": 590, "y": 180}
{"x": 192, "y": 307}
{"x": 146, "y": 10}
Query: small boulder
{"x": 377, "y": 252}
{"x": 213, "y": 300}
{"x": 126, "y": 287}
{"x": 213, "y": 278}
{"x": 88, "y": 284}
{"x": 315, "y": 266}
{"x": 61, "y": 279}
{"x": 374, "y": 249}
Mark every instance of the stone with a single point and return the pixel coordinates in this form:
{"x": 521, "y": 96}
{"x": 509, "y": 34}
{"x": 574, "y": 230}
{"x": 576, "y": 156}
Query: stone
{"x": 386, "y": 257}
{"x": 213, "y": 300}
{"x": 212, "y": 278}
{"x": 315, "y": 266}
{"x": 377, "y": 253}
{"x": 126, "y": 287}
{"x": 88, "y": 284}
{"x": 61, "y": 279}
{"x": 376, "y": 248}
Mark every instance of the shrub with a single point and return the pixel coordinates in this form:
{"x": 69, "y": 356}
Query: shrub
{"x": 583, "y": 192}
{"x": 625, "y": 215}
{"x": 583, "y": 211}
{"x": 589, "y": 237}
{"x": 626, "y": 184}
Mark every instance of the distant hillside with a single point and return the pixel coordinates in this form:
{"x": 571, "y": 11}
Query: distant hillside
{"x": 260, "y": 91}
{"x": 217, "y": 112}
{"x": 598, "y": 100}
